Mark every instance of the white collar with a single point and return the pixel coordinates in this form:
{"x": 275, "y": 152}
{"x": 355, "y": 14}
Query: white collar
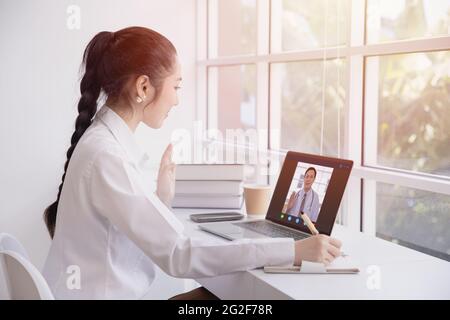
{"x": 122, "y": 133}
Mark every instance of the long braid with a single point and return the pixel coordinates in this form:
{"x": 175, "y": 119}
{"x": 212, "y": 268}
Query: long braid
{"x": 90, "y": 87}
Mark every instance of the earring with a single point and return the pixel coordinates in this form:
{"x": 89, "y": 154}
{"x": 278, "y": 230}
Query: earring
{"x": 138, "y": 99}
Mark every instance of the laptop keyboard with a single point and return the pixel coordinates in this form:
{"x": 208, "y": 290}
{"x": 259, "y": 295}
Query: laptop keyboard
{"x": 271, "y": 230}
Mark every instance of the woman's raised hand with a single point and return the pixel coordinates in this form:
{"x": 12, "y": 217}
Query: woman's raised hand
{"x": 166, "y": 177}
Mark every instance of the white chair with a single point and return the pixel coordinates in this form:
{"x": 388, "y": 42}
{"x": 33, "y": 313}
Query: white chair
{"x": 22, "y": 279}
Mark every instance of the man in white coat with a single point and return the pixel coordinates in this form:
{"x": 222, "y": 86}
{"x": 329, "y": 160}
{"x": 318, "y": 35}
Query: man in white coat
{"x": 306, "y": 199}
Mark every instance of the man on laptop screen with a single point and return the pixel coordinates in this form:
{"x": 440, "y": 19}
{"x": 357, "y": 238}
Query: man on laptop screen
{"x": 307, "y": 191}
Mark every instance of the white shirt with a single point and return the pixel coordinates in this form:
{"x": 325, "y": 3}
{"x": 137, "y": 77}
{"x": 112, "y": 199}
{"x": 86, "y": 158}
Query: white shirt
{"x": 311, "y": 206}
{"x": 112, "y": 228}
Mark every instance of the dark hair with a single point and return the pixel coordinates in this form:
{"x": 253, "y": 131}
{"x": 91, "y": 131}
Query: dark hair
{"x": 311, "y": 169}
{"x": 111, "y": 60}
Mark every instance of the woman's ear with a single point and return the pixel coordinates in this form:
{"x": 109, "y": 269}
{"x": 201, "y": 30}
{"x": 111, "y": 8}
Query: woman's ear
{"x": 144, "y": 90}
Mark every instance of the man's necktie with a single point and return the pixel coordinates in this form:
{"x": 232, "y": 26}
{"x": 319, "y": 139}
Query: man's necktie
{"x": 302, "y": 205}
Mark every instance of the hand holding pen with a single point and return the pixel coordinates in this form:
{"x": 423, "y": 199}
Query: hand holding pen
{"x": 312, "y": 227}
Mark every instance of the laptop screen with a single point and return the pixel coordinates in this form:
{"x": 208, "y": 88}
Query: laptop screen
{"x": 310, "y": 184}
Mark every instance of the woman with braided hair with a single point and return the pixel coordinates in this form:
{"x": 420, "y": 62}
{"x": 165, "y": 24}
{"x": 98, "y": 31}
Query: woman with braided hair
{"x": 109, "y": 227}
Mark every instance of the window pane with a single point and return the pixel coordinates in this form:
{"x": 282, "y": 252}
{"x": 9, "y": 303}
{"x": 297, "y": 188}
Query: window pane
{"x": 297, "y": 91}
{"x": 232, "y": 97}
{"x": 305, "y": 24}
{"x": 412, "y": 102}
{"x": 414, "y": 218}
{"x": 232, "y": 27}
{"x": 389, "y": 20}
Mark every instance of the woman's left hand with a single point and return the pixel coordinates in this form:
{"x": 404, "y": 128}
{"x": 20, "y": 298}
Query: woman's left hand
{"x": 166, "y": 177}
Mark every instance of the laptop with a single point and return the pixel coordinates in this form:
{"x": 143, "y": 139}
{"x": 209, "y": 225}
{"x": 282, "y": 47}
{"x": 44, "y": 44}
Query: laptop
{"x": 308, "y": 184}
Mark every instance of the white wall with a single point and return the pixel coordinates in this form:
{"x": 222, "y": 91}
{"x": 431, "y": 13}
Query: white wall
{"x": 39, "y": 64}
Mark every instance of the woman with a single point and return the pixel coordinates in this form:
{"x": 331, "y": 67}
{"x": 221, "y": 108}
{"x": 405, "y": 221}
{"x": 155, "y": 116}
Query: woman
{"x": 107, "y": 223}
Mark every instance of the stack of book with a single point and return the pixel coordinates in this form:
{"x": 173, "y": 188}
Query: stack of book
{"x": 209, "y": 186}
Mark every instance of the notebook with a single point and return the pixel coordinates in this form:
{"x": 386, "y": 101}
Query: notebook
{"x": 342, "y": 265}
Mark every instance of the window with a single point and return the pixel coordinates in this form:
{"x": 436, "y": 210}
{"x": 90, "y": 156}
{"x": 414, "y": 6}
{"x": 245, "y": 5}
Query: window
{"x": 232, "y": 97}
{"x": 305, "y": 24}
{"x": 365, "y": 80}
{"x": 232, "y": 27}
{"x": 414, "y": 218}
{"x": 309, "y": 121}
{"x": 402, "y": 88}
{"x": 390, "y": 20}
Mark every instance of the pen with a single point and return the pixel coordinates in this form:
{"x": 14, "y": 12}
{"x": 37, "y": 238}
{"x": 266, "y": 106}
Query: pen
{"x": 309, "y": 224}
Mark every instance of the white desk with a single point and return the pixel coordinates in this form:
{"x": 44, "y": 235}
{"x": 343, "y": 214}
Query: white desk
{"x": 404, "y": 273}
